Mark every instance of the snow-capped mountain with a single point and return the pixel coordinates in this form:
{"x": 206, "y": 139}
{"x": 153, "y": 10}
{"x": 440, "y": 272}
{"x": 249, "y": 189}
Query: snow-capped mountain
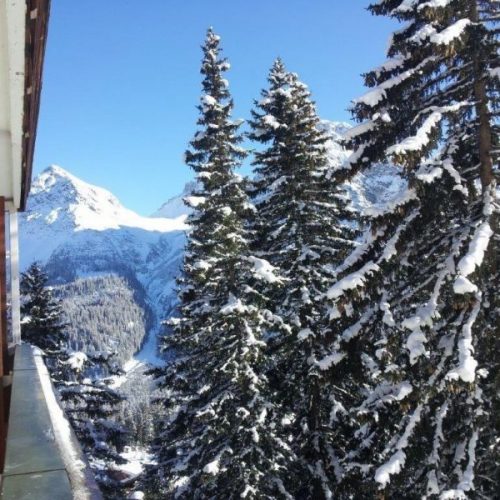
{"x": 373, "y": 189}
{"x": 98, "y": 252}
{"x": 335, "y": 130}
{"x": 116, "y": 270}
{"x": 175, "y": 207}
{"x": 60, "y": 204}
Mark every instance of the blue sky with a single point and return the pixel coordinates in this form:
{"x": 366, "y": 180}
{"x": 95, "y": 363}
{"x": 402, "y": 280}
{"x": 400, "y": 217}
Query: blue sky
{"x": 121, "y": 78}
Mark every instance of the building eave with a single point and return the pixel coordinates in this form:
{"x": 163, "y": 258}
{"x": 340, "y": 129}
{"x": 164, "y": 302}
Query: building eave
{"x": 23, "y": 35}
{"x": 37, "y": 17}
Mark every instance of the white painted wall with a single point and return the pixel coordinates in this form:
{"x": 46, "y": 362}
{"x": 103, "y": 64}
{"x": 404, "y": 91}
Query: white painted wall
{"x": 12, "y": 43}
{"x": 15, "y": 301}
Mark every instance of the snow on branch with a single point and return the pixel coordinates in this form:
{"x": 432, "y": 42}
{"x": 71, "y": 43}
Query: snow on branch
{"x": 233, "y": 305}
{"x": 386, "y": 393}
{"x": 77, "y": 360}
{"x": 212, "y": 467}
{"x": 271, "y": 121}
{"x": 377, "y": 94}
{"x": 450, "y": 33}
{"x": 466, "y": 369}
{"x": 433, "y": 170}
{"x": 393, "y": 466}
{"x": 495, "y": 72}
{"x": 425, "y": 316}
{"x": 264, "y": 271}
{"x": 438, "y": 435}
{"x": 397, "y": 461}
{"x": 390, "y": 65}
{"x": 390, "y": 247}
{"x": 445, "y": 37}
{"x": 360, "y": 129}
{"x": 405, "y": 6}
{"x": 208, "y": 101}
{"x": 360, "y": 250}
{"x": 194, "y": 201}
{"x": 331, "y": 360}
{"x": 403, "y": 198}
{"x": 467, "y": 481}
{"x": 467, "y": 484}
{"x": 473, "y": 259}
{"x": 434, "y": 4}
{"x": 357, "y": 279}
{"x": 353, "y": 280}
{"x": 353, "y": 330}
{"x": 463, "y": 285}
{"x": 428, "y": 173}
{"x": 477, "y": 248}
{"x": 353, "y": 158}
{"x": 422, "y": 137}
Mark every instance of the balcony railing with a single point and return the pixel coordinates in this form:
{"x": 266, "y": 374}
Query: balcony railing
{"x": 43, "y": 458}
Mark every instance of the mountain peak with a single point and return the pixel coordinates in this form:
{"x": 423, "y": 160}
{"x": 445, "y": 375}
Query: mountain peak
{"x": 50, "y": 176}
{"x": 59, "y": 197}
{"x": 175, "y": 206}
{"x": 70, "y": 189}
{"x": 62, "y": 208}
{"x": 57, "y": 170}
{"x": 335, "y": 129}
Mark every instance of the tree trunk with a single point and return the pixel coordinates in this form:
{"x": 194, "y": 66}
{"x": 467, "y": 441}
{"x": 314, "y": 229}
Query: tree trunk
{"x": 484, "y": 132}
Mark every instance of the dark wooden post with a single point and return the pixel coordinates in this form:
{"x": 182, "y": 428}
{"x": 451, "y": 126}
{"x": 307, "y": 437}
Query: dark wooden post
{"x": 3, "y": 329}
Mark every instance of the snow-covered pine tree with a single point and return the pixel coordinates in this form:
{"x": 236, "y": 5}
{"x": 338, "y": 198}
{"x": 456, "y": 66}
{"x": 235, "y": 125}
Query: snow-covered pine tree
{"x": 421, "y": 372}
{"x": 217, "y": 441}
{"x": 41, "y": 313}
{"x": 304, "y": 227}
{"x": 83, "y": 382}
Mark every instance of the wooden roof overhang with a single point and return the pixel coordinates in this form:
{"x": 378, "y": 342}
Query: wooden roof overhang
{"x": 23, "y": 35}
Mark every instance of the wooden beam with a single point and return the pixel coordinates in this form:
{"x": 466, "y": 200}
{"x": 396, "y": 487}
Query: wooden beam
{"x": 37, "y": 21}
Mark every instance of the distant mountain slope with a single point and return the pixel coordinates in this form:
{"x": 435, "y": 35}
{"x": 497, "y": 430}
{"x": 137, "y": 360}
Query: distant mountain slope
{"x": 88, "y": 241}
{"x": 121, "y": 267}
{"x": 373, "y": 189}
{"x": 61, "y": 205}
{"x": 105, "y": 313}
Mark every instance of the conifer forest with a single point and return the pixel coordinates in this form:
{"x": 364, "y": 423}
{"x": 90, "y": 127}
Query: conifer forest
{"x": 312, "y": 350}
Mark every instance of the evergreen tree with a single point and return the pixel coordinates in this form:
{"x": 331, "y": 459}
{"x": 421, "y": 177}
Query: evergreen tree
{"x": 41, "y": 313}
{"x": 303, "y": 229}
{"x": 217, "y": 441}
{"x": 83, "y": 382}
{"x": 418, "y": 372}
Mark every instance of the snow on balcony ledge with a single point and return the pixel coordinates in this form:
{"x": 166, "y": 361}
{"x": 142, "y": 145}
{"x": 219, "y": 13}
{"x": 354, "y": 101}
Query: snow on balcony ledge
{"x": 43, "y": 456}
